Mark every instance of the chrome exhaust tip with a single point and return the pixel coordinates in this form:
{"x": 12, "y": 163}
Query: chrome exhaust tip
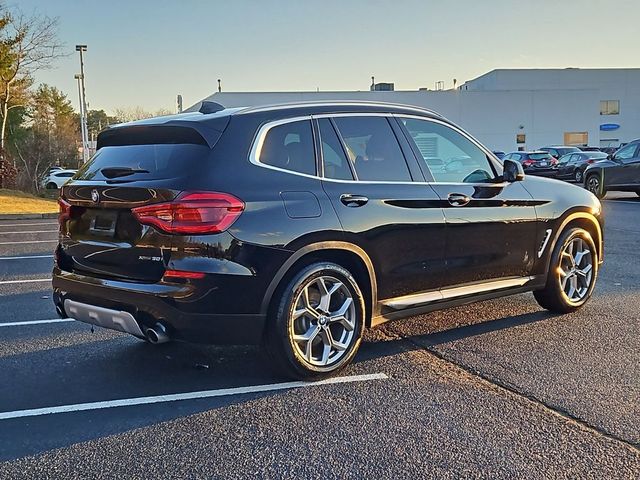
{"x": 157, "y": 334}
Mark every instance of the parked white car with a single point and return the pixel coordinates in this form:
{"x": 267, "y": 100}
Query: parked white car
{"x": 57, "y": 178}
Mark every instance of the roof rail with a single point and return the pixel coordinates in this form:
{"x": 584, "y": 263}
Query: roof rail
{"x": 329, "y": 103}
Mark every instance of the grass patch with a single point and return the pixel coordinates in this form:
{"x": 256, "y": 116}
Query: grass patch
{"x": 13, "y": 201}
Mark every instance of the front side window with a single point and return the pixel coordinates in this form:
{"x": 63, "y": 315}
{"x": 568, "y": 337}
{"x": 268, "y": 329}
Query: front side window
{"x": 335, "y": 162}
{"x": 626, "y": 153}
{"x": 290, "y": 146}
{"x": 373, "y": 148}
{"x": 450, "y": 156}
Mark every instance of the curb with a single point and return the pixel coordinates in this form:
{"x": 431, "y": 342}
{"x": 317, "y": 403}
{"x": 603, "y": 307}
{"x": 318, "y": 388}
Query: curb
{"x": 27, "y": 216}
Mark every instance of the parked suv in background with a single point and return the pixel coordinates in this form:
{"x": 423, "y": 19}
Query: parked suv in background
{"x": 620, "y": 173}
{"x": 572, "y": 165}
{"x": 300, "y": 225}
{"x": 535, "y": 163}
{"x": 558, "y": 151}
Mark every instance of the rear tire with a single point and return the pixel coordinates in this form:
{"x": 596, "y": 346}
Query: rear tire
{"x": 572, "y": 274}
{"x": 316, "y": 325}
{"x": 51, "y": 186}
{"x": 595, "y": 186}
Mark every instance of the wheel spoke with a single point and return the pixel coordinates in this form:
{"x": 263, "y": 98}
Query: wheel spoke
{"x": 307, "y": 303}
{"x": 580, "y": 256}
{"x": 327, "y": 345}
{"x": 585, "y": 271}
{"x": 309, "y": 335}
{"x": 340, "y": 315}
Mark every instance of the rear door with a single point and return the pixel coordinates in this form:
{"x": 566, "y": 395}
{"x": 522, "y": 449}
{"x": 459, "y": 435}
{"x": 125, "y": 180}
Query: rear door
{"x": 100, "y": 235}
{"x": 372, "y": 178}
{"x": 491, "y": 225}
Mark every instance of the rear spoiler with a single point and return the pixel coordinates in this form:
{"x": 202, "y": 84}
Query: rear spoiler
{"x": 171, "y": 132}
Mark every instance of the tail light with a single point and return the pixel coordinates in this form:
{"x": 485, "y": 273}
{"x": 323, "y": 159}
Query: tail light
{"x": 528, "y": 163}
{"x": 591, "y": 160}
{"x": 192, "y": 213}
{"x": 553, "y": 161}
{"x": 68, "y": 211}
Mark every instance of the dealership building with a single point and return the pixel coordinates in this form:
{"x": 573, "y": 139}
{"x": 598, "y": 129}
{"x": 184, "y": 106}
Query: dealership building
{"x": 510, "y": 109}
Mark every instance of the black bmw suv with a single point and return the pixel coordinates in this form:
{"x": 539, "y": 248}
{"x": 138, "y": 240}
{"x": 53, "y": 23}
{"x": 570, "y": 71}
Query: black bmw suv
{"x": 300, "y": 225}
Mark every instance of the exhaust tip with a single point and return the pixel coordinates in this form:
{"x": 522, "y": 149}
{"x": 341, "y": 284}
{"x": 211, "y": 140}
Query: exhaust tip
{"x": 157, "y": 334}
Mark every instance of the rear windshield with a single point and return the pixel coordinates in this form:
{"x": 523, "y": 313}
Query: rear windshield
{"x": 539, "y": 156}
{"x": 563, "y": 151}
{"x": 143, "y": 162}
{"x": 595, "y": 154}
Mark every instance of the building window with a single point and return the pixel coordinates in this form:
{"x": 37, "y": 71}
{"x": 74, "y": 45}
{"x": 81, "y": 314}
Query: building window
{"x": 521, "y": 138}
{"x": 609, "y": 107}
{"x": 576, "y": 138}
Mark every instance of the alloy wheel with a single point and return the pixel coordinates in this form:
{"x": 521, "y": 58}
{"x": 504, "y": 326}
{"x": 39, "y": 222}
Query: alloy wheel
{"x": 575, "y": 271}
{"x": 323, "y": 321}
{"x": 578, "y": 176}
{"x": 593, "y": 184}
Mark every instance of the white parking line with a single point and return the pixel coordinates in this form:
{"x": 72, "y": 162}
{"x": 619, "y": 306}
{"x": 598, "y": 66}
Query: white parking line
{"x": 127, "y": 402}
{"x": 24, "y": 232}
{"x": 50, "y": 224}
{"x": 26, "y": 257}
{"x": 31, "y": 241}
{"x": 36, "y": 322}
{"x": 26, "y": 280}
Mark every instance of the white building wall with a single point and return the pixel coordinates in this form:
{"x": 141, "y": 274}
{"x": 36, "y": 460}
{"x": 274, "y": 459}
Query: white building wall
{"x": 609, "y": 84}
{"x": 493, "y": 117}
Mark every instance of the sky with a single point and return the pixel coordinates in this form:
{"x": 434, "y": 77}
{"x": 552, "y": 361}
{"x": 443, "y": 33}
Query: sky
{"x": 145, "y": 52}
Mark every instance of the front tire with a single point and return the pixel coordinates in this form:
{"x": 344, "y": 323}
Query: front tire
{"x": 595, "y": 186}
{"x": 51, "y": 186}
{"x": 578, "y": 176}
{"x": 316, "y": 326}
{"x": 573, "y": 270}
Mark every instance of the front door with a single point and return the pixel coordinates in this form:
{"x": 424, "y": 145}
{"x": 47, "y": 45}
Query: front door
{"x": 627, "y": 172}
{"x": 491, "y": 224}
{"x": 398, "y": 222}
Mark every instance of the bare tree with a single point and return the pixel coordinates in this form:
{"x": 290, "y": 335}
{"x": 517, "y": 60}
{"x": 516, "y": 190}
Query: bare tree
{"x": 27, "y": 44}
{"x": 129, "y": 114}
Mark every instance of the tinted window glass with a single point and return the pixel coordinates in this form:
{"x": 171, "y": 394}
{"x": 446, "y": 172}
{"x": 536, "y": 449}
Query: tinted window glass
{"x": 626, "y": 153}
{"x": 539, "y": 156}
{"x": 290, "y": 146}
{"x": 334, "y": 159}
{"x": 373, "y": 148}
{"x": 146, "y": 162}
{"x": 450, "y": 156}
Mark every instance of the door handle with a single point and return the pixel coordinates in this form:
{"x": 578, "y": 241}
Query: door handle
{"x": 353, "y": 200}
{"x": 458, "y": 199}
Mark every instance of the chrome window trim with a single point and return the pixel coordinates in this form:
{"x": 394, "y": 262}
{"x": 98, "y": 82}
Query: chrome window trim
{"x": 413, "y": 300}
{"x": 256, "y": 148}
{"x": 254, "y": 154}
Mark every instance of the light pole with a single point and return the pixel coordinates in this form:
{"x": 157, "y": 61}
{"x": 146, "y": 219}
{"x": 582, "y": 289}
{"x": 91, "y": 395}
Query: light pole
{"x": 83, "y": 105}
{"x": 78, "y": 77}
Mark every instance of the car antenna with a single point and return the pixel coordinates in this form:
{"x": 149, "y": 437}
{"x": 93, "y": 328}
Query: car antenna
{"x": 210, "y": 107}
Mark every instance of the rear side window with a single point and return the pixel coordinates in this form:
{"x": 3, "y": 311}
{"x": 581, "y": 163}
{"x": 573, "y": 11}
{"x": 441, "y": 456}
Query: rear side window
{"x": 143, "y": 162}
{"x": 290, "y": 146}
{"x": 373, "y": 148}
{"x": 335, "y": 162}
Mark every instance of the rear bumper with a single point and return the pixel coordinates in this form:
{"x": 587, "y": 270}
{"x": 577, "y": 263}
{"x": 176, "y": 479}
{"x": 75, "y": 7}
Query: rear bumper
{"x": 172, "y": 305}
{"x": 542, "y": 172}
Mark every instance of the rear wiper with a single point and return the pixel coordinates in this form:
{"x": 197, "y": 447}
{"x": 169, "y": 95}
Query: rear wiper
{"x": 115, "y": 172}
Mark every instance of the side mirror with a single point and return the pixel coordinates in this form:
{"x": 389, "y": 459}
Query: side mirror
{"x": 513, "y": 171}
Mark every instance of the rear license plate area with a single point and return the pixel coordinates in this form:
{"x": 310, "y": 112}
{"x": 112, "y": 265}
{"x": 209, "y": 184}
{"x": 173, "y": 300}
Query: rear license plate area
{"x": 104, "y": 224}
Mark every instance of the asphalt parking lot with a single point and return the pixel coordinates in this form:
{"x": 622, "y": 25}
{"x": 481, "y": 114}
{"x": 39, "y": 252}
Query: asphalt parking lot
{"x": 496, "y": 389}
